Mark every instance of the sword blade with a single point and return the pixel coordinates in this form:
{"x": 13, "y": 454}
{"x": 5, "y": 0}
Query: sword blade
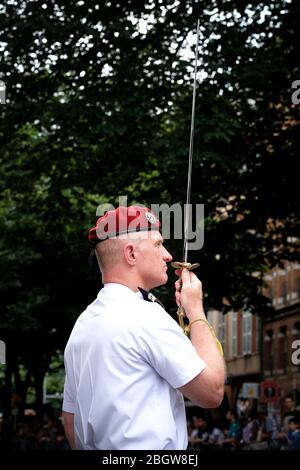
{"x": 191, "y": 151}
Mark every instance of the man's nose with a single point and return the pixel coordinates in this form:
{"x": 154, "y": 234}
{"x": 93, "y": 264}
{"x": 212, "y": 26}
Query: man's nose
{"x": 167, "y": 256}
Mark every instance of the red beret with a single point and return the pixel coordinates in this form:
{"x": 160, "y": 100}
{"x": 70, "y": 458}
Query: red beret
{"x": 123, "y": 220}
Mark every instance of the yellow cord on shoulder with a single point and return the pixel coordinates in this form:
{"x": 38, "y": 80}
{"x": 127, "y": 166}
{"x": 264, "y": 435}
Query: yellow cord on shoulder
{"x": 187, "y": 331}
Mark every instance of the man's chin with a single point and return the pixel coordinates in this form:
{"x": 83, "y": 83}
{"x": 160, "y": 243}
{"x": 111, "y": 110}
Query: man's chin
{"x": 163, "y": 280}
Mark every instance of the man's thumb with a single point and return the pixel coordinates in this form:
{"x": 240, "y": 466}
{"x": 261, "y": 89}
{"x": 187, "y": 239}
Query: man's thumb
{"x": 185, "y": 276}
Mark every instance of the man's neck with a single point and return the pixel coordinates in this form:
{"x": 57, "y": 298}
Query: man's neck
{"x": 131, "y": 284}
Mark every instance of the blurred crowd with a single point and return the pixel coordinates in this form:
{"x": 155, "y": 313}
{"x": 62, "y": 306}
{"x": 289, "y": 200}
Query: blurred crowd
{"x": 30, "y": 434}
{"x": 246, "y": 427}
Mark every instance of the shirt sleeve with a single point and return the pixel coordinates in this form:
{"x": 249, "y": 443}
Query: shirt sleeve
{"x": 69, "y": 390}
{"x": 168, "y": 350}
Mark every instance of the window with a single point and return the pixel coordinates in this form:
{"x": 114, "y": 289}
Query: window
{"x": 209, "y": 316}
{"x": 297, "y": 286}
{"x": 258, "y": 333}
{"x": 221, "y": 330}
{"x": 283, "y": 289}
{"x": 247, "y": 332}
{"x": 296, "y": 330}
{"x": 234, "y": 333}
{"x": 268, "y": 352}
{"x": 282, "y": 350}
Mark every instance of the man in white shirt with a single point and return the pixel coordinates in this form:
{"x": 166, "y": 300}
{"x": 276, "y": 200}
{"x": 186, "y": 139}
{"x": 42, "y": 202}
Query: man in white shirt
{"x": 128, "y": 363}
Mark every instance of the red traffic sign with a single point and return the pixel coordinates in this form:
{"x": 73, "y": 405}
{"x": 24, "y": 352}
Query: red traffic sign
{"x": 270, "y": 391}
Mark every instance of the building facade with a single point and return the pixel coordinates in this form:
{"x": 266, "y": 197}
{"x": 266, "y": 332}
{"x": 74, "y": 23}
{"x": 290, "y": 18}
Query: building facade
{"x": 259, "y": 349}
{"x": 281, "y": 332}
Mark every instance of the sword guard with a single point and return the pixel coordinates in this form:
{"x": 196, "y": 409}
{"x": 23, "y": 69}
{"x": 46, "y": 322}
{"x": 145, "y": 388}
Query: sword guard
{"x": 183, "y": 265}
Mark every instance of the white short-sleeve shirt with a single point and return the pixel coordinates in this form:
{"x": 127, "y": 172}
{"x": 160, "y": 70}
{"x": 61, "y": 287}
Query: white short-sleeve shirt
{"x": 124, "y": 360}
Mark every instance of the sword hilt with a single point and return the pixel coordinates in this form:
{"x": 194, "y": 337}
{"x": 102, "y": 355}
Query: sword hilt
{"x": 180, "y": 311}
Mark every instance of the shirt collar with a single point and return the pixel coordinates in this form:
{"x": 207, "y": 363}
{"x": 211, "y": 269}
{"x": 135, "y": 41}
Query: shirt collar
{"x": 115, "y": 289}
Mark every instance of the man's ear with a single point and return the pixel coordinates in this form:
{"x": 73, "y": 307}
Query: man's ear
{"x": 130, "y": 254}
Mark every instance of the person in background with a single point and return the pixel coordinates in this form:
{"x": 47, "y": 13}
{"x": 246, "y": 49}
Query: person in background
{"x": 234, "y": 433}
{"x": 293, "y": 437}
{"x": 290, "y": 412}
